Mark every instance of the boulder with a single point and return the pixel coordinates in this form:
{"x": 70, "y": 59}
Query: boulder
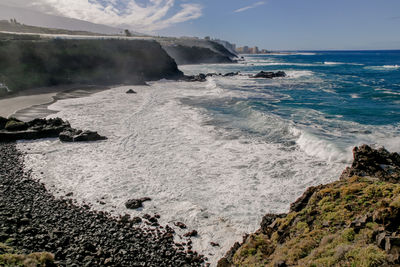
{"x": 136, "y": 203}
{"x": 269, "y": 74}
{"x": 180, "y": 225}
{"x": 14, "y": 125}
{"x": 230, "y": 74}
{"x": 191, "y": 234}
{"x": 130, "y": 91}
{"x": 88, "y": 136}
{"x": 73, "y": 135}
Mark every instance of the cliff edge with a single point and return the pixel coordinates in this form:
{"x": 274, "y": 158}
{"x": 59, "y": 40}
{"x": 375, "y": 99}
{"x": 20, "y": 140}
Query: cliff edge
{"x": 26, "y": 64}
{"x": 352, "y": 222}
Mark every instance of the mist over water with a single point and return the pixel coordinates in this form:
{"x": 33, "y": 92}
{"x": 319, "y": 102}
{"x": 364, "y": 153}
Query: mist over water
{"x": 219, "y": 155}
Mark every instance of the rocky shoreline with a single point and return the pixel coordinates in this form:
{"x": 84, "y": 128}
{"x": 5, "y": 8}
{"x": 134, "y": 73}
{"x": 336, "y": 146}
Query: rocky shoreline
{"x": 33, "y": 220}
{"x": 351, "y": 222}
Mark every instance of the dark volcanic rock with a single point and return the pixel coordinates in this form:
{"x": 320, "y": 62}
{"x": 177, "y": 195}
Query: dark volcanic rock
{"x": 130, "y": 91}
{"x": 191, "y": 234}
{"x": 269, "y": 74}
{"x": 73, "y": 135}
{"x": 34, "y": 220}
{"x": 230, "y": 74}
{"x": 14, "y": 125}
{"x": 180, "y": 225}
{"x": 3, "y": 122}
{"x": 268, "y": 219}
{"x": 195, "y": 78}
{"x": 35, "y": 129}
{"x": 372, "y": 162}
{"x": 42, "y": 128}
{"x": 136, "y": 203}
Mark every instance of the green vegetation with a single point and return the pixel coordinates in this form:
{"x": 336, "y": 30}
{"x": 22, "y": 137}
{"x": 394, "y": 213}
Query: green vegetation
{"x": 10, "y": 257}
{"x": 338, "y": 227}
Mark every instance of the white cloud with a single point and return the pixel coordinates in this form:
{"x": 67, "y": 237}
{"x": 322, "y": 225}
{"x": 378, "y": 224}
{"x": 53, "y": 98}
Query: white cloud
{"x": 250, "y": 6}
{"x": 149, "y": 17}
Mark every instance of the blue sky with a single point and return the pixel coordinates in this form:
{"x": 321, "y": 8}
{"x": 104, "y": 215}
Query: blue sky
{"x": 270, "y": 24}
{"x": 300, "y": 24}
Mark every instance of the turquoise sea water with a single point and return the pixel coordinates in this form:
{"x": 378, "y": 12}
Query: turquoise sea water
{"x": 330, "y": 101}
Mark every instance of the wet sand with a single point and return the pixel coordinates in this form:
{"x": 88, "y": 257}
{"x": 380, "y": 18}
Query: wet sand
{"x": 34, "y": 103}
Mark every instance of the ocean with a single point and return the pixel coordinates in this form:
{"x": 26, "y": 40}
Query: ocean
{"x": 219, "y": 155}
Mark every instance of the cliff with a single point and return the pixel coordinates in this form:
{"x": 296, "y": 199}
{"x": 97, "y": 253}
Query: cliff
{"x": 352, "y": 222}
{"x": 196, "y": 51}
{"x": 34, "y": 63}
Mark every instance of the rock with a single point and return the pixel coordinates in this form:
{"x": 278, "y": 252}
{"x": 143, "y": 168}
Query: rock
{"x": 230, "y": 74}
{"x": 15, "y": 125}
{"x": 88, "y": 136}
{"x": 269, "y": 74}
{"x": 136, "y": 220}
{"x": 227, "y": 260}
{"x": 3, "y": 122}
{"x": 268, "y": 219}
{"x": 214, "y": 244}
{"x": 195, "y": 78}
{"x": 73, "y": 135}
{"x": 191, "y": 234}
{"x": 136, "y": 203}
{"x": 130, "y": 91}
{"x": 372, "y": 162}
{"x": 42, "y": 128}
{"x": 180, "y": 225}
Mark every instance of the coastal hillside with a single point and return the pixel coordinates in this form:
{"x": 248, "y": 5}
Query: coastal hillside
{"x": 14, "y": 26}
{"x": 26, "y": 64}
{"x": 351, "y": 222}
{"x": 196, "y": 51}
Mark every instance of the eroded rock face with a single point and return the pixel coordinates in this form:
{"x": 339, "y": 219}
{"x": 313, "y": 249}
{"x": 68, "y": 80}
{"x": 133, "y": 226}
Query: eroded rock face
{"x": 378, "y": 163}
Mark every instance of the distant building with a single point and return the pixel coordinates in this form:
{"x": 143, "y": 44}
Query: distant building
{"x": 253, "y": 50}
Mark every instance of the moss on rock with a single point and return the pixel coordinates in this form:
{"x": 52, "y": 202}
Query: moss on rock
{"x": 10, "y": 257}
{"x": 337, "y": 227}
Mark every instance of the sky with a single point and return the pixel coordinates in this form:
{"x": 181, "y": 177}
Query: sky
{"x": 269, "y": 24}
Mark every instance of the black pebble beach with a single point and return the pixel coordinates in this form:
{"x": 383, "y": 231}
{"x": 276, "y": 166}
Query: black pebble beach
{"x": 33, "y": 220}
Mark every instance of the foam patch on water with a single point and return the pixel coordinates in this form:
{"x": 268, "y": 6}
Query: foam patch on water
{"x": 298, "y": 73}
{"x": 384, "y": 67}
{"x": 215, "y": 180}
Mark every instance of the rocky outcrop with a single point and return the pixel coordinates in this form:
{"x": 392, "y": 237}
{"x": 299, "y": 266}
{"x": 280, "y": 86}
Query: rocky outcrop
{"x": 30, "y": 64}
{"x": 352, "y": 222}
{"x": 372, "y": 162}
{"x": 13, "y": 129}
{"x": 269, "y": 74}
